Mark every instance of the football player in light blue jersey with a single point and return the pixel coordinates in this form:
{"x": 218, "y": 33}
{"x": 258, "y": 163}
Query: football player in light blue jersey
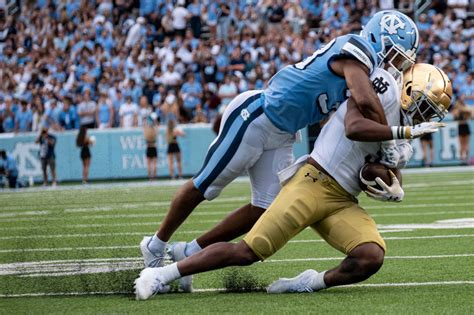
{"x": 305, "y": 93}
{"x": 258, "y": 127}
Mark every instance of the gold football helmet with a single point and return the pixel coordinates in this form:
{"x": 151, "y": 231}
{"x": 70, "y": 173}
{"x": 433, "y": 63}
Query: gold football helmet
{"x": 426, "y": 93}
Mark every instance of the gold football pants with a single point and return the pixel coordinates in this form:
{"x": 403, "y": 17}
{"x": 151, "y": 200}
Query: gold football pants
{"x": 311, "y": 198}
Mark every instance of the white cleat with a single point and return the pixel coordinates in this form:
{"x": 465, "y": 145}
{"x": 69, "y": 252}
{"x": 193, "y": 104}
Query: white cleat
{"x": 150, "y": 259}
{"x": 176, "y": 251}
{"x": 149, "y": 283}
{"x": 301, "y": 283}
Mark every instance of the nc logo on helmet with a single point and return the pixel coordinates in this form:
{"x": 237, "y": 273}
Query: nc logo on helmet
{"x": 391, "y": 23}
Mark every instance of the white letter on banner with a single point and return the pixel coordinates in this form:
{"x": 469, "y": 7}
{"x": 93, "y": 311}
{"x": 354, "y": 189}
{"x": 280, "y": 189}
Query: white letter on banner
{"x": 127, "y": 143}
{"x": 449, "y": 141}
{"x": 417, "y": 150}
{"x": 125, "y": 160}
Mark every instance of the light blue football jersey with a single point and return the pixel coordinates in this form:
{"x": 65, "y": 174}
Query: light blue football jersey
{"x": 305, "y": 93}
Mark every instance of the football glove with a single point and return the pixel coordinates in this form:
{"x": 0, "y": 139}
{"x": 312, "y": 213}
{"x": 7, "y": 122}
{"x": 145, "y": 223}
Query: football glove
{"x": 416, "y": 131}
{"x": 390, "y": 154}
{"x": 389, "y": 193}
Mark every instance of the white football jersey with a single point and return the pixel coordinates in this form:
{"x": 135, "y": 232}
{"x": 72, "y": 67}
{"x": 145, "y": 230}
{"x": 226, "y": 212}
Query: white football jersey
{"x": 342, "y": 158}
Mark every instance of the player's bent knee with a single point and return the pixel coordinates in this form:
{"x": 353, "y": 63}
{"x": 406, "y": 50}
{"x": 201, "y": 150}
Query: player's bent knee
{"x": 370, "y": 257}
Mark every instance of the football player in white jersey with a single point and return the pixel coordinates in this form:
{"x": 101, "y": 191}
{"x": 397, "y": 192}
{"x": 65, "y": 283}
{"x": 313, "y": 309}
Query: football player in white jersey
{"x": 321, "y": 193}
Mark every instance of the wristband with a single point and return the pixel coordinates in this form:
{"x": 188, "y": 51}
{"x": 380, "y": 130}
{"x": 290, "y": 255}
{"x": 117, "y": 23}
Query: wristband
{"x": 399, "y": 132}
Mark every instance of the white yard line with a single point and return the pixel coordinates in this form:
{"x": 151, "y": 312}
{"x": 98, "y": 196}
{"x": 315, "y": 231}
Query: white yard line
{"x": 194, "y": 222}
{"x": 213, "y": 213}
{"x": 125, "y": 206}
{"x": 243, "y": 179}
{"x": 91, "y": 248}
{"x": 88, "y": 266}
{"x": 130, "y": 207}
{"x": 368, "y": 285}
{"x": 25, "y": 213}
{"x": 87, "y": 235}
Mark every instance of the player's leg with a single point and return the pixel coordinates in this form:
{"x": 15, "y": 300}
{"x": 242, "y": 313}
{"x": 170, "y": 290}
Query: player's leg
{"x": 235, "y": 224}
{"x": 234, "y": 150}
{"x": 265, "y": 187}
{"x": 360, "y": 263}
{"x": 290, "y": 213}
{"x": 184, "y": 201}
{"x": 353, "y": 232}
{"x": 217, "y": 256}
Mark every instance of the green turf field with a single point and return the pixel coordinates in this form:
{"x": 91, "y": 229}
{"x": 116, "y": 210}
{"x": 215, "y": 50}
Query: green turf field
{"x": 67, "y": 251}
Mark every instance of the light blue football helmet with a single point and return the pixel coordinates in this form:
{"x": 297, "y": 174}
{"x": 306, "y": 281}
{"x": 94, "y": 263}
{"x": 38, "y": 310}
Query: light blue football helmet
{"x": 395, "y": 39}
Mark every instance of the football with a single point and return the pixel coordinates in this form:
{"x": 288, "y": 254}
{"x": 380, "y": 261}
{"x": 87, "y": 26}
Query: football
{"x": 370, "y": 171}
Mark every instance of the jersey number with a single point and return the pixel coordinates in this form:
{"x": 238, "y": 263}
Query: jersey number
{"x": 322, "y": 102}
{"x": 309, "y": 60}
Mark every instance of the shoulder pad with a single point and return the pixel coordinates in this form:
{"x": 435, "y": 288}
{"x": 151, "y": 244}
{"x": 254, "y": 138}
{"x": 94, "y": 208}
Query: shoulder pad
{"x": 359, "y": 49}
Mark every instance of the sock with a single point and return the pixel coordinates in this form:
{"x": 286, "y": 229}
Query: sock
{"x": 318, "y": 282}
{"x": 192, "y": 248}
{"x": 156, "y": 245}
{"x": 170, "y": 273}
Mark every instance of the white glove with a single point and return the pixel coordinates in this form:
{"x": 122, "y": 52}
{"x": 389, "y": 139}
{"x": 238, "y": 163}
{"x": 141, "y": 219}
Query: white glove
{"x": 416, "y": 131}
{"x": 389, "y": 193}
{"x": 390, "y": 154}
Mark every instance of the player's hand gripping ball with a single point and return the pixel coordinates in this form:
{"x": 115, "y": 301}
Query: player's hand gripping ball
{"x": 370, "y": 171}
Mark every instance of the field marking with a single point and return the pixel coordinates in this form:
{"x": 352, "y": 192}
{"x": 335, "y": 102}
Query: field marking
{"x": 92, "y": 266}
{"x": 130, "y": 207}
{"x": 115, "y": 206}
{"x": 431, "y": 184}
{"x": 368, "y": 285}
{"x": 156, "y": 224}
{"x": 91, "y": 248}
{"x": 390, "y": 228}
{"x": 25, "y": 213}
{"x": 213, "y": 213}
{"x": 242, "y": 179}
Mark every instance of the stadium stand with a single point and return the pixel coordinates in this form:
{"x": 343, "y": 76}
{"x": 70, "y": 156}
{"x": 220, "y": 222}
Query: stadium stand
{"x": 64, "y": 59}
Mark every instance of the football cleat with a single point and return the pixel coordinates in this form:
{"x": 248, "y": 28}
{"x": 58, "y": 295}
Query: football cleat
{"x": 177, "y": 252}
{"x": 149, "y": 283}
{"x": 299, "y": 284}
{"x": 150, "y": 259}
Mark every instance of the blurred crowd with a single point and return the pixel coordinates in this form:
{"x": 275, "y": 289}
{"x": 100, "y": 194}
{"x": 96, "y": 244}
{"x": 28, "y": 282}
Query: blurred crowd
{"x": 103, "y": 64}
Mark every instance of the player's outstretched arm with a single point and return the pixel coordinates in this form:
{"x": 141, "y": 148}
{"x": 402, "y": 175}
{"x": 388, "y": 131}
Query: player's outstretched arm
{"x": 359, "y": 128}
{"x": 360, "y": 86}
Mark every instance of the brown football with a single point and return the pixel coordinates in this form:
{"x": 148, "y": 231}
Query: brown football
{"x": 370, "y": 171}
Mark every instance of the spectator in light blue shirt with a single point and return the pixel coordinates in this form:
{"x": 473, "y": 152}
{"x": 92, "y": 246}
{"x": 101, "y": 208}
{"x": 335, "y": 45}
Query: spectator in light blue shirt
{"x": 68, "y": 118}
{"x": 23, "y": 118}
{"x": 9, "y": 168}
{"x": 191, "y": 93}
{"x": 135, "y": 91}
{"x": 105, "y": 113}
{"x": 467, "y": 90}
{"x": 8, "y": 116}
{"x": 147, "y": 7}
